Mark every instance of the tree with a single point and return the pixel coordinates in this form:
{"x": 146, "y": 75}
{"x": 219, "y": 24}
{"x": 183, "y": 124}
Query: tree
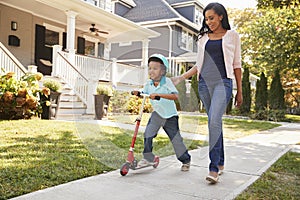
{"x": 276, "y": 94}
{"x": 277, "y": 3}
{"x": 246, "y": 106}
{"x": 270, "y": 40}
{"x": 261, "y": 94}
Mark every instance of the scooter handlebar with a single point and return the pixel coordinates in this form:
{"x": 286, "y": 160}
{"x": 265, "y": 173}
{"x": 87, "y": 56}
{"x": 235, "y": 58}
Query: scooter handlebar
{"x": 139, "y": 94}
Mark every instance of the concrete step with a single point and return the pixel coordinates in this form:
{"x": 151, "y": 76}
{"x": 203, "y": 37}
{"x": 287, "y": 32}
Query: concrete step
{"x": 71, "y": 104}
{"x": 73, "y": 117}
{"x": 71, "y": 110}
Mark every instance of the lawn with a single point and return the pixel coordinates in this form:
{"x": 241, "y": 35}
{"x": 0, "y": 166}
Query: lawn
{"x": 233, "y": 128}
{"x": 36, "y": 154}
{"x": 280, "y": 181}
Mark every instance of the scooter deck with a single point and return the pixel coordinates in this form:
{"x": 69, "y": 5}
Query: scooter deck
{"x": 152, "y": 164}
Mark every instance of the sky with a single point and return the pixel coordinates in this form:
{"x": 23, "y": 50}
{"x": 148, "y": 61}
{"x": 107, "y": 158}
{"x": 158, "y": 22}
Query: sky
{"x": 241, "y": 4}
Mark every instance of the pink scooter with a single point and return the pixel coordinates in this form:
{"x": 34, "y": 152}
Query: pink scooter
{"x": 131, "y": 162}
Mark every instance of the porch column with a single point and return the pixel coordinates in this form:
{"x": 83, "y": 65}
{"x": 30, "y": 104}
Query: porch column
{"x": 55, "y": 69}
{"x": 114, "y": 72}
{"x": 145, "y": 57}
{"x": 71, "y": 19}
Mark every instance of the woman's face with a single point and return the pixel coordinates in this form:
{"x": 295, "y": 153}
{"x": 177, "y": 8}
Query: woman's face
{"x": 213, "y": 20}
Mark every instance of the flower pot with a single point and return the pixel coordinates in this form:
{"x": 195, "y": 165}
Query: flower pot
{"x": 101, "y": 105}
{"x": 50, "y": 112}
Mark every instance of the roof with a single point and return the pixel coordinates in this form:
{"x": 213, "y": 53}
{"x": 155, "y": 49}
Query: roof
{"x": 147, "y": 10}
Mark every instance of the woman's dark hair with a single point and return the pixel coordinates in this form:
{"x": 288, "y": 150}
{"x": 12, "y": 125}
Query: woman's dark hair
{"x": 221, "y": 11}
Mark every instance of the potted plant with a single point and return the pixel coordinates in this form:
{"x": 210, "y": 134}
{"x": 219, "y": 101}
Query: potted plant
{"x": 50, "y": 97}
{"x": 102, "y": 96}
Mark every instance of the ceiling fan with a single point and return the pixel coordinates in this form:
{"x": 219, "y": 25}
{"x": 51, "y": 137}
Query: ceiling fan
{"x": 95, "y": 31}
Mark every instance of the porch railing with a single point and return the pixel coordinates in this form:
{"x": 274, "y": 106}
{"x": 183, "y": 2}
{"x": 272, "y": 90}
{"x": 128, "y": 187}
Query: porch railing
{"x": 72, "y": 76}
{"x": 9, "y": 63}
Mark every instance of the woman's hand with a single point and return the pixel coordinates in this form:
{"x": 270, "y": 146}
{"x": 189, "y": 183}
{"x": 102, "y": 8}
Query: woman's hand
{"x": 177, "y": 79}
{"x": 238, "y": 99}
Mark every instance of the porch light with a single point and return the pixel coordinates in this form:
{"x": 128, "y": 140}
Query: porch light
{"x": 14, "y": 25}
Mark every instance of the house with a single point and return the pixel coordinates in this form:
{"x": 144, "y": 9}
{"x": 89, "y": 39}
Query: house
{"x": 177, "y": 21}
{"x": 70, "y": 39}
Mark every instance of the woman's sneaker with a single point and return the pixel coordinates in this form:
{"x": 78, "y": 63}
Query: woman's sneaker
{"x": 185, "y": 167}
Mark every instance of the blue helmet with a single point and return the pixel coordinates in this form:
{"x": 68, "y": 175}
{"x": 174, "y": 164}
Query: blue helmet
{"x": 160, "y": 57}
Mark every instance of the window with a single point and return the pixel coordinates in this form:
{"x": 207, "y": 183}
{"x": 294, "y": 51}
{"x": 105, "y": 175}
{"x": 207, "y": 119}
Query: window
{"x": 198, "y": 16}
{"x": 94, "y": 2}
{"x": 52, "y": 38}
{"x": 89, "y": 48}
{"x": 187, "y": 40}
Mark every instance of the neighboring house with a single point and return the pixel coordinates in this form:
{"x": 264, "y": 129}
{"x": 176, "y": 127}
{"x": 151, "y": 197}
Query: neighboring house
{"x": 177, "y": 21}
{"x": 58, "y": 37}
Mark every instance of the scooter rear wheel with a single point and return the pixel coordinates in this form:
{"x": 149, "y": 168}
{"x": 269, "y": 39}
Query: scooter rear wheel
{"x": 156, "y": 161}
{"x": 124, "y": 169}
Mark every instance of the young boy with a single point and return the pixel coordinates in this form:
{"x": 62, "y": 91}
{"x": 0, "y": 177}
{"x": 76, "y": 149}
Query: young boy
{"x": 164, "y": 114}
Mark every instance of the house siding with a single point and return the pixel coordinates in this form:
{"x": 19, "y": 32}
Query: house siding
{"x": 188, "y": 12}
{"x": 24, "y": 32}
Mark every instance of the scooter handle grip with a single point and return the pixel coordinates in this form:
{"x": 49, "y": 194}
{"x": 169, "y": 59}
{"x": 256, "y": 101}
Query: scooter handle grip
{"x": 138, "y": 93}
{"x": 157, "y": 98}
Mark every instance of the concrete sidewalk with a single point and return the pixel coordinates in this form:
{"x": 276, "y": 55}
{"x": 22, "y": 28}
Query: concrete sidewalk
{"x": 246, "y": 160}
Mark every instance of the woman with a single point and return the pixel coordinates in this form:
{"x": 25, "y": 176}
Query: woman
{"x": 218, "y": 62}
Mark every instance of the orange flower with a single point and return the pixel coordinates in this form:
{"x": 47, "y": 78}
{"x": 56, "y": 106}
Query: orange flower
{"x": 38, "y": 76}
{"x": 22, "y": 92}
{"x": 8, "y": 97}
{"x": 46, "y": 91}
{"x": 10, "y": 75}
{"x": 20, "y": 101}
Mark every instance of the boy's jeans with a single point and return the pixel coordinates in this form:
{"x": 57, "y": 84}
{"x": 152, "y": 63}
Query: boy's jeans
{"x": 171, "y": 127}
{"x": 215, "y": 96}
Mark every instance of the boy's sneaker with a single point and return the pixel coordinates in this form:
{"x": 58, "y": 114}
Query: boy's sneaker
{"x": 143, "y": 163}
{"x": 185, "y": 167}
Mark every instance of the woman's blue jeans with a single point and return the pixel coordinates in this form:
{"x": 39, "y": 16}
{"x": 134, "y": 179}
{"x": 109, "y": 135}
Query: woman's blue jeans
{"x": 215, "y": 96}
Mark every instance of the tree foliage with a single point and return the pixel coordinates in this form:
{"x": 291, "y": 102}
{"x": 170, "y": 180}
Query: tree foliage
{"x": 277, "y": 3}
{"x": 261, "y": 95}
{"x": 270, "y": 40}
{"x": 246, "y": 106}
{"x": 276, "y": 93}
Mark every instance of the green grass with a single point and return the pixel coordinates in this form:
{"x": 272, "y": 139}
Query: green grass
{"x": 233, "y": 128}
{"x": 36, "y": 154}
{"x": 280, "y": 181}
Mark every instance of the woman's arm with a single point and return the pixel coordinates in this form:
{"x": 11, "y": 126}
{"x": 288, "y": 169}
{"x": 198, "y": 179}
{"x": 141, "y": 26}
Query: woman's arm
{"x": 239, "y": 95}
{"x": 184, "y": 76}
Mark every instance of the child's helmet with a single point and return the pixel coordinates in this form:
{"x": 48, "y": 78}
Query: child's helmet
{"x": 160, "y": 57}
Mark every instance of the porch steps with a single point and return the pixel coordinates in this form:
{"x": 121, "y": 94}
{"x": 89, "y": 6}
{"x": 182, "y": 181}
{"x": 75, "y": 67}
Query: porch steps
{"x": 70, "y": 106}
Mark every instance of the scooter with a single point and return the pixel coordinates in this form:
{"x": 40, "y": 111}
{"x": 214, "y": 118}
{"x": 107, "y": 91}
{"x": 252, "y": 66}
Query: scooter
{"x": 131, "y": 162}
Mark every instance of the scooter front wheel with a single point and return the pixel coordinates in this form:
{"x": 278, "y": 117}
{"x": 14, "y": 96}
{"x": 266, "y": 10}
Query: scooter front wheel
{"x": 124, "y": 169}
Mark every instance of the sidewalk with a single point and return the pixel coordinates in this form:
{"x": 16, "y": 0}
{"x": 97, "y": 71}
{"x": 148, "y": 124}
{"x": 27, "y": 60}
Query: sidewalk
{"x": 246, "y": 159}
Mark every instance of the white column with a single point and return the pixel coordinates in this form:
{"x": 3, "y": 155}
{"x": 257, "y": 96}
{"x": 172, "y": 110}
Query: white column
{"x": 145, "y": 57}
{"x": 55, "y": 64}
{"x": 114, "y": 73}
{"x": 71, "y": 19}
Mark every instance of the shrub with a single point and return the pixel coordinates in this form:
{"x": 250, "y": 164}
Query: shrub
{"x": 135, "y": 103}
{"x": 19, "y": 98}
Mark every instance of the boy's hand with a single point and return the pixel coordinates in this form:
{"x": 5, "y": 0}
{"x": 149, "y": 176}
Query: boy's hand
{"x": 136, "y": 93}
{"x": 154, "y": 96}
{"x": 177, "y": 79}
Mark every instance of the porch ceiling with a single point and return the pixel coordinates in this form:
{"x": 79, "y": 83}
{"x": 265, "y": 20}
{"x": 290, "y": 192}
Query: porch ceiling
{"x": 120, "y": 29}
